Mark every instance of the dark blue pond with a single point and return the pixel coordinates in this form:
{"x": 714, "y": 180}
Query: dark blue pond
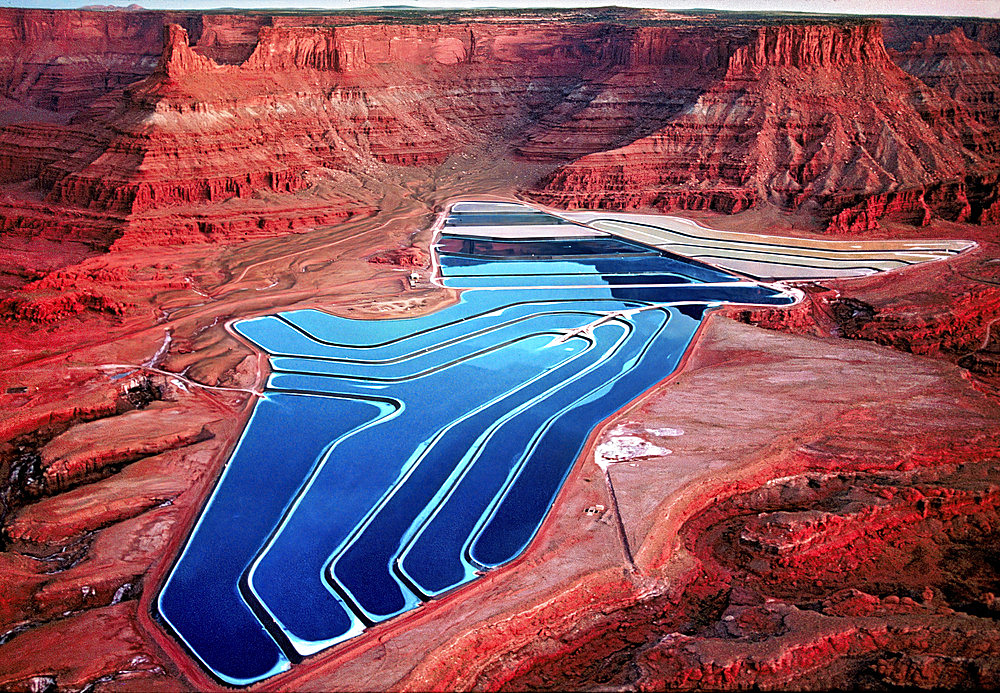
{"x": 501, "y": 219}
{"x": 393, "y": 460}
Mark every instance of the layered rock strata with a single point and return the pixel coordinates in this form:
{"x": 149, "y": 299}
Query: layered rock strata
{"x": 964, "y": 70}
{"x": 667, "y": 113}
{"x": 814, "y": 116}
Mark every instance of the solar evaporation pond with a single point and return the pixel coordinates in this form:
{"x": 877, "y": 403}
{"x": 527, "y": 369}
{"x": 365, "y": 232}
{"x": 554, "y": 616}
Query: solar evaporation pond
{"x": 390, "y": 461}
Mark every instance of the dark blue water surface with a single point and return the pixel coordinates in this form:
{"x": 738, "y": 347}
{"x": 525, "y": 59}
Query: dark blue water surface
{"x": 393, "y": 460}
{"x": 201, "y": 599}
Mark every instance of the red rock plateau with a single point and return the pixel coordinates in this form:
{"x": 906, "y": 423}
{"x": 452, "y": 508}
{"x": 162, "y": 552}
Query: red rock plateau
{"x": 828, "y": 515}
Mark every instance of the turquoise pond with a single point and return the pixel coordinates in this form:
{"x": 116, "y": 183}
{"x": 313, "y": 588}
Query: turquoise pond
{"x": 392, "y": 461}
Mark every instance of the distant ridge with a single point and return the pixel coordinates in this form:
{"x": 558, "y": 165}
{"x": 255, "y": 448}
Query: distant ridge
{"x": 113, "y": 8}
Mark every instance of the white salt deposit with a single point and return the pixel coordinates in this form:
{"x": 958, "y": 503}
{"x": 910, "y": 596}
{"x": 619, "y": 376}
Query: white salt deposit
{"x": 625, "y": 448}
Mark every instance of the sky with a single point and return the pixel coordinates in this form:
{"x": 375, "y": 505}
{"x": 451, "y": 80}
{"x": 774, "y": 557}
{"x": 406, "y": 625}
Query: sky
{"x": 970, "y": 8}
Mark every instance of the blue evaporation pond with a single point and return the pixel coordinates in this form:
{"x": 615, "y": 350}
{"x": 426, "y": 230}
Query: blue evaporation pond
{"x": 514, "y": 280}
{"x": 391, "y": 461}
{"x": 500, "y": 248}
{"x": 525, "y": 218}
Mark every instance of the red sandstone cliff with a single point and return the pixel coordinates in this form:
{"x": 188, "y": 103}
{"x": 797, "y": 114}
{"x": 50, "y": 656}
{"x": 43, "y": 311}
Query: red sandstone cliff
{"x": 902, "y": 32}
{"x": 63, "y": 60}
{"x": 816, "y": 115}
{"x": 965, "y": 71}
{"x": 196, "y": 132}
{"x": 684, "y": 114}
{"x": 659, "y": 71}
{"x": 229, "y": 129}
{"x": 962, "y": 69}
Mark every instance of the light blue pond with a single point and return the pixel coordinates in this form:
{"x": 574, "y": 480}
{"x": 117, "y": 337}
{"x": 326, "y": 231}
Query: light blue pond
{"x": 391, "y": 461}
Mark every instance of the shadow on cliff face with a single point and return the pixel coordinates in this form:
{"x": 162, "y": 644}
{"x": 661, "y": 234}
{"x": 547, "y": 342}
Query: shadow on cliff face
{"x": 851, "y": 315}
{"x": 641, "y": 80}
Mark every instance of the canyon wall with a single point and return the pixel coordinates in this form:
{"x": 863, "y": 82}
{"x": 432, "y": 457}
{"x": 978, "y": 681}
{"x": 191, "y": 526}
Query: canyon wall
{"x": 682, "y": 114}
{"x": 199, "y": 132}
{"x": 181, "y": 127}
{"x": 62, "y": 60}
{"x": 902, "y": 32}
{"x": 818, "y": 117}
{"x": 964, "y": 70}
